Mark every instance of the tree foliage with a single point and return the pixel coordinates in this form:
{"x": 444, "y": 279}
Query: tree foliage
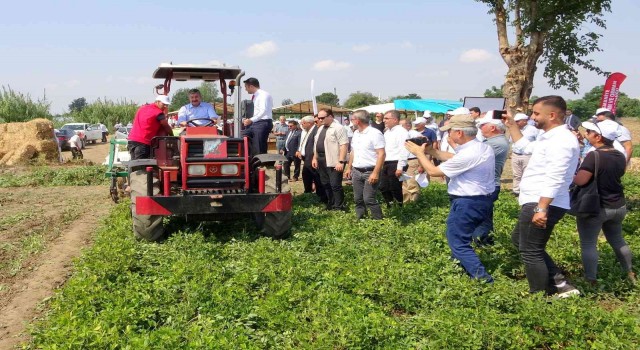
{"x": 18, "y": 107}
{"x": 208, "y": 90}
{"x": 328, "y": 98}
{"x": 586, "y": 106}
{"x": 557, "y": 33}
{"x": 77, "y": 105}
{"x": 107, "y": 112}
{"x": 493, "y": 92}
{"x": 411, "y": 96}
{"x": 287, "y": 101}
{"x": 360, "y": 99}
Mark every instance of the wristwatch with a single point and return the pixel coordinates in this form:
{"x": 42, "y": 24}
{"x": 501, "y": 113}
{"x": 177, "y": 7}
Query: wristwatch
{"x": 539, "y": 210}
{"x": 343, "y": 162}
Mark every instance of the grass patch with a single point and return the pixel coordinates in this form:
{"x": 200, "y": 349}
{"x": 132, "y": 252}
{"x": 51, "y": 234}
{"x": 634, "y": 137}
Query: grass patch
{"x": 56, "y": 176}
{"x": 337, "y": 284}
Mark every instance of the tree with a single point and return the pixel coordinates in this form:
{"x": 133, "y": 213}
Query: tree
{"x": 554, "y": 32}
{"x": 77, "y": 105}
{"x": 493, "y": 92}
{"x": 587, "y": 105}
{"x": 411, "y": 96}
{"x": 328, "y": 98}
{"x": 287, "y": 101}
{"x": 208, "y": 90}
{"x": 19, "y": 107}
{"x": 360, "y": 99}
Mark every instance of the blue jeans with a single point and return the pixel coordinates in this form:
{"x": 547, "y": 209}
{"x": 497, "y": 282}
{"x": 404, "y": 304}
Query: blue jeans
{"x": 465, "y": 215}
{"x": 482, "y": 231}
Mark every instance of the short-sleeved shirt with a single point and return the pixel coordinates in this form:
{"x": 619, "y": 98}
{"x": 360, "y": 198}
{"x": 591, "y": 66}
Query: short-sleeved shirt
{"x": 146, "y": 124}
{"x": 500, "y": 147}
{"x": 624, "y": 134}
{"x": 283, "y": 128}
{"x": 471, "y": 170}
{"x": 203, "y": 111}
{"x": 334, "y": 136}
{"x": 364, "y": 145}
{"x": 430, "y": 134}
{"x": 611, "y": 167}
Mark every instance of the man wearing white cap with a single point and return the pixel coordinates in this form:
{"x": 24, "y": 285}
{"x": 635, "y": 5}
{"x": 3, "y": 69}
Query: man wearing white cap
{"x": 624, "y": 135}
{"x": 150, "y": 121}
{"x": 520, "y": 156}
{"x": 492, "y": 130}
{"x": 421, "y": 127}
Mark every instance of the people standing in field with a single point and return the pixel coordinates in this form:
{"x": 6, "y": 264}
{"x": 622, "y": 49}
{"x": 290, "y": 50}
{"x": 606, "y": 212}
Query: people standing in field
{"x": 472, "y": 171}
{"x": 544, "y": 193}
{"x": 624, "y": 135}
{"x": 259, "y": 126}
{"x": 75, "y": 144}
{"x": 149, "y": 122}
{"x": 520, "y": 156}
{"x": 608, "y": 164}
{"x": 330, "y": 158}
{"x": 310, "y": 176}
{"x": 378, "y": 123}
{"x": 280, "y": 131}
{"x": 365, "y": 163}
{"x": 291, "y": 145}
{"x": 196, "y": 109}
{"x": 410, "y": 187}
{"x": 395, "y": 160}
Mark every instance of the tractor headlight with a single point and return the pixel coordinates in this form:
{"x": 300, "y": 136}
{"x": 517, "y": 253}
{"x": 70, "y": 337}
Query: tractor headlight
{"x": 229, "y": 169}
{"x": 197, "y": 169}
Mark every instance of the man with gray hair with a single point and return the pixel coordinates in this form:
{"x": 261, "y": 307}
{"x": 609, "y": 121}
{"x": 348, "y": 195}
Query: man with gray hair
{"x": 310, "y": 176}
{"x": 365, "y": 164}
{"x": 493, "y": 133}
{"x": 472, "y": 172}
{"x": 396, "y": 158}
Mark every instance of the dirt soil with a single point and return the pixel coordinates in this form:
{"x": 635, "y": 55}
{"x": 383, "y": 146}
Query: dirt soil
{"x": 38, "y": 242}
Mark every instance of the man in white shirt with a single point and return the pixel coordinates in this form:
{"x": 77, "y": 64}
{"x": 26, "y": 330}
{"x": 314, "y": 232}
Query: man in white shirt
{"x": 365, "y": 164}
{"x": 396, "y": 158}
{"x": 544, "y": 193}
{"x": 520, "y": 157}
{"x": 259, "y": 126}
{"x": 310, "y": 176}
{"x": 472, "y": 172}
{"x": 197, "y": 109}
{"x": 410, "y": 187}
{"x": 75, "y": 144}
{"x": 105, "y": 132}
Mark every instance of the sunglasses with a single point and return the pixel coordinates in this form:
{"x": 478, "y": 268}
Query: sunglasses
{"x": 321, "y": 118}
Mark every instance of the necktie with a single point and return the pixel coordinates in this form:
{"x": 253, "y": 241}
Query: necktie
{"x": 304, "y": 142}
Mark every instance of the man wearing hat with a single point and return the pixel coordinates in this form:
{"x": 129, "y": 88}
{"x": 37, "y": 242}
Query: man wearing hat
{"x": 410, "y": 187}
{"x": 520, "y": 156}
{"x": 472, "y": 172}
{"x": 259, "y": 126}
{"x": 150, "y": 121}
{"x": 421, "y": 126}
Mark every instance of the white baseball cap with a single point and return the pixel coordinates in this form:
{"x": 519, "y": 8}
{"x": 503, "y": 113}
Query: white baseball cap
{"x": 600, "y": 110}
{"x": 460, "y": 110}
{"x": 419, "y": 120}
{"x": 520, "y": 116}
{"x": 607, "y": 128}
{"x": 164, "y": 99}
{"x": 488, "y": 119}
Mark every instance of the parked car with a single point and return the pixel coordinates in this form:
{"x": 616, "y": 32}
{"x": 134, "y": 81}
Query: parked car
{"x": 86, "y": 131}
{"x": 122, "y": 133}
{"x": 63, "y": 136}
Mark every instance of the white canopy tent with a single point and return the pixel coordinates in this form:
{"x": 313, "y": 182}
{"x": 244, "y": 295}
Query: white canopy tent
{"x": 381, "y": 108}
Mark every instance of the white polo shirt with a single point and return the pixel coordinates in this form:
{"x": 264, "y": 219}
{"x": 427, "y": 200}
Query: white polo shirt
{"x": 394, "y": 139}
{"x": 471, "y": 170}
{"x": 364, "y": 145}
{"x": 554, "y": 160}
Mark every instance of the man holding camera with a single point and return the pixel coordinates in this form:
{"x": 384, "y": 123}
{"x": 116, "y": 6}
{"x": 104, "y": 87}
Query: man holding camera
{"x": 472, "y": 171}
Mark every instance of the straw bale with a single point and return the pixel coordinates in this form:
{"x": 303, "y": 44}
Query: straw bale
{"x": 21, "y": 142}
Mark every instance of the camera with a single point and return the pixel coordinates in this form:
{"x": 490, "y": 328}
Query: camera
{"x": 419, "y": 140}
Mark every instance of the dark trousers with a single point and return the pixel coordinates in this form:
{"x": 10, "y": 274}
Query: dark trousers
{"x": 332, "y": 183}
{"x": 258, "y": 132}
{"x": 482, "y": 231}
{"x": 76, "y": 153}
{"x": 104, "y": 136}
{"x": 364, "y": 195}
{"x": 296, "y": 167}
{"x": 311, "y": 176}
{"x": 390, "y": 185}
{"x": 531, "y": 240}
{"x": 138, "y": 150}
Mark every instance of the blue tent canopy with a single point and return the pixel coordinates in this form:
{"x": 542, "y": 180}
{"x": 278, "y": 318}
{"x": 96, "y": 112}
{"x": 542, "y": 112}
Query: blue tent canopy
{"x": 435, "y": 106}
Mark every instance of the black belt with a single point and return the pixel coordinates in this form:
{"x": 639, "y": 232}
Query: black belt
{"x": 390, "y": 161}
{"x": 364, "y": 170}
{"x": 482, "y": 196}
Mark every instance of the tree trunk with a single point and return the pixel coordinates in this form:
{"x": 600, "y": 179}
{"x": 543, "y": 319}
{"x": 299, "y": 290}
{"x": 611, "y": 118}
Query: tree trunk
{"x": 518, "y": 82}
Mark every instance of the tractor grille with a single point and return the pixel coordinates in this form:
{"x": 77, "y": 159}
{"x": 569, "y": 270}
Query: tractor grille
{"x": 195, "y": 150}
{"x": 216, "y": 191}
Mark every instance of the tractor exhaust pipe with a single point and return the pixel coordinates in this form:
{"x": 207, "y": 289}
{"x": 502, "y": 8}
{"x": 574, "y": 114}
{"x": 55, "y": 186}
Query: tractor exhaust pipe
{"x": 149, "y": 181}
{"x": 278, "y": 178}
{"x": 261, "y": 180}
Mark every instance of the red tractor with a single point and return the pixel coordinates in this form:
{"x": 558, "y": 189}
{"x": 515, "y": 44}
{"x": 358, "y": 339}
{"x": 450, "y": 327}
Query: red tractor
{"x": 206, "y": 174}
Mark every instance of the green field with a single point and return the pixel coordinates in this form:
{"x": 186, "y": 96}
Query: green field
{"x": 336, "y": 284}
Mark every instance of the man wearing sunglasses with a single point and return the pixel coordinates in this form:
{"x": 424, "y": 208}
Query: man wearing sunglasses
{"x": 330, "y": 157}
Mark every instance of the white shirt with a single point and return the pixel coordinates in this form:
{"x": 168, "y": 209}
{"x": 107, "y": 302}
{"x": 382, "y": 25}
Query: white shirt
{"x": 625, "y": 134}
{"x": 304, "y": 139}
{"x": 616, "y": 145}
{"x": 413, "y": 134}
{"x": 444, "y": 143}
{"x": 103, "y": 128}
{"x": 347, "y": 128}
{"x": 394, "y": 139}
{"x": 554, "y": 160}
{"x": 433, "y": 126}
{"x": 364, "y": 145}
{"x": 471, "y": 170}
{"x": 262, "y": 106}
{"x": 75, "y": 142}
{"x": 530, "y": 133}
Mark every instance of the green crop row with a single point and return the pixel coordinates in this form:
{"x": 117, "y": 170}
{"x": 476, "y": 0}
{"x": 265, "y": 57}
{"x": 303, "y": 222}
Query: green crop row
{"x": 337, "y": 283}
{"x": 55, "y": 176}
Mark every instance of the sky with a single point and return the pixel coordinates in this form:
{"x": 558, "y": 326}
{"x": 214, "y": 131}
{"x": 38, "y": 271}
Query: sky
{"x": 438, "y": 49}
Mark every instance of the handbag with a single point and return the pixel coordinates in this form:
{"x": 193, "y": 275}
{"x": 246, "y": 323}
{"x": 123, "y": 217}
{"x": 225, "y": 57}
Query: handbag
{"x": 585, "y": 200}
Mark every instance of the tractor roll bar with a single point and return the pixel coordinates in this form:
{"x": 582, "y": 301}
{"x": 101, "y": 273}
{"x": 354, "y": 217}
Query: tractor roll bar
{"x": 237, "y": 122}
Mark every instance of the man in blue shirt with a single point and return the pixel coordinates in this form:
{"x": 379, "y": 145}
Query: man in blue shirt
{"x": 196, "y": 110}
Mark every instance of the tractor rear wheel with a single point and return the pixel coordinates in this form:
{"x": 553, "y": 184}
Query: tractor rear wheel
{"x": 147, "y": 227}
{"x": 275, "y": 224}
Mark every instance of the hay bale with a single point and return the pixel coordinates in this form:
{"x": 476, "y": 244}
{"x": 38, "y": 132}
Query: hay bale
{"x": 22, "y": 142}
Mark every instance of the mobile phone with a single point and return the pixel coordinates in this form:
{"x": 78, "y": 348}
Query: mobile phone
{"x": 498, "y": 114}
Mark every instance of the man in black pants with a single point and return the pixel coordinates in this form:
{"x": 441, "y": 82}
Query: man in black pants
{"x": 329, "y": 158}
{"x": 259, "y": 126}
{"x": 396, "y": 158}
{"x": 310, "y": 176}
{"x": 291, "y": 145}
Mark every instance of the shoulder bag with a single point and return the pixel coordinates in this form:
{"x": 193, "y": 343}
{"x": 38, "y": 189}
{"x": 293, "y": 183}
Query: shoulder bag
{"x": 585, "y": 200}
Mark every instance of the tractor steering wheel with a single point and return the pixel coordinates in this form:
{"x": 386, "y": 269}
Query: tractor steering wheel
{"x": 208, "y": 121}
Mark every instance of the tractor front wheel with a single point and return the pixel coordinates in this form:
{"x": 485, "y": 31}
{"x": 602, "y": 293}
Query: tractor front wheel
{"x": 147, "y": 227}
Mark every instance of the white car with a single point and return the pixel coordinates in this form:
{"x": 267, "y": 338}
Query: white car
{"x": 86, "y": 131}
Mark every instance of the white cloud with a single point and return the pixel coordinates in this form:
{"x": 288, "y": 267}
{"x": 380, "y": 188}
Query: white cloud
{"x": 71, "y": 83}
{"x": 327, "y": 65}
{"x": 475, "y": 55}
{"x": 261, "y": 49}
{"x": 407, "y": 45}
{"x": 361, "y": 48}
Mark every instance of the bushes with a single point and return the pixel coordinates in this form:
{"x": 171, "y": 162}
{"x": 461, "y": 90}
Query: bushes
{"x": 338, "y": 283}
{"x": 18, "y": 107}
{"x": 56, "y": 176}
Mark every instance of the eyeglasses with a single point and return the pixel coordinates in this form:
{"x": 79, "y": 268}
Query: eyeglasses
{"x": 321, "y": 118}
